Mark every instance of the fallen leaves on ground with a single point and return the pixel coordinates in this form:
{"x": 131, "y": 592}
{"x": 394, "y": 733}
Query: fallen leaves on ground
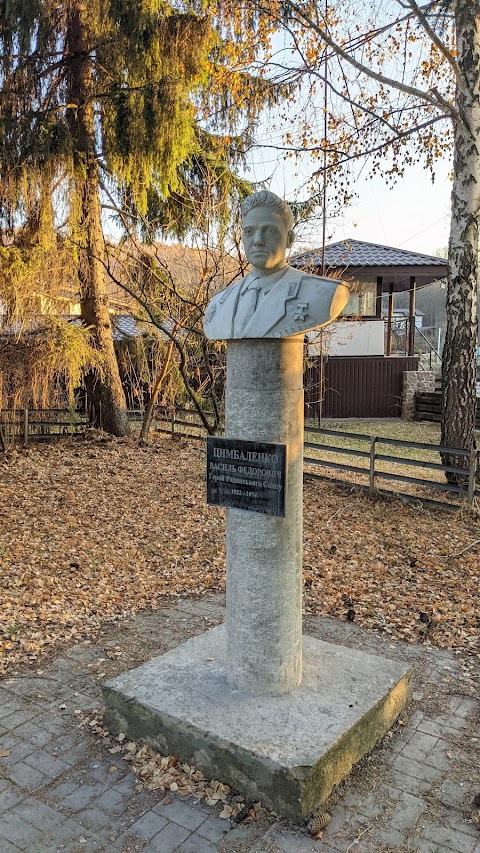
{"x": 92, "y": 532}
{"x": 167, "y": 774}
{"x": 400, "y": 569}
{"x": 95, "y": 530}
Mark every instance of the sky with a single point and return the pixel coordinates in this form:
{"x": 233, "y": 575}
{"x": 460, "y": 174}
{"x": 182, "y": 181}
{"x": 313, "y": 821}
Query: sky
{"x": 412, "y": 214}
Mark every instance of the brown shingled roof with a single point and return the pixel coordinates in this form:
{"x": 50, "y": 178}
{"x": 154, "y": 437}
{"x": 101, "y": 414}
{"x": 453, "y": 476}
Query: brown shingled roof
{"x": 357, "y": 253}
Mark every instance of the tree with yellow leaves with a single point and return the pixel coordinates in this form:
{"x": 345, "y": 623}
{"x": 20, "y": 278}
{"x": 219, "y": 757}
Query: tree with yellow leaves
{"x": 123, "y": 102}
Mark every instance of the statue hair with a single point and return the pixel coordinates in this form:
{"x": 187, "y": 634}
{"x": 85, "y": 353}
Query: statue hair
{"x": 265, "y": 198}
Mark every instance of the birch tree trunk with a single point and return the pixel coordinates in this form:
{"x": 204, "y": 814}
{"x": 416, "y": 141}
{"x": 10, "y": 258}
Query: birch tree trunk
{"x": 107, "y": 405}
{"x": 459, "y": 354}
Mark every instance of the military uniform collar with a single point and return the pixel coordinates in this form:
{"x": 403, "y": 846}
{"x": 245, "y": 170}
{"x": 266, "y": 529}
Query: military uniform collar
{"x": 266, "y": 281}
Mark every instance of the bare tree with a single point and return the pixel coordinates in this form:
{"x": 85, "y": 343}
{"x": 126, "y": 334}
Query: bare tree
{"x": 404, "y": 84}
{"x": 169, "y": 286}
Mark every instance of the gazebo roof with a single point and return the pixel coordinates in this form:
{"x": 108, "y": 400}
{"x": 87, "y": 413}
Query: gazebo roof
{"x": 366, "y": 260}
{"x": 357, "y": 253}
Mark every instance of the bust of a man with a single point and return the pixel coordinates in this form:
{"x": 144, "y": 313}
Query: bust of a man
{"x": 274, "y": 300}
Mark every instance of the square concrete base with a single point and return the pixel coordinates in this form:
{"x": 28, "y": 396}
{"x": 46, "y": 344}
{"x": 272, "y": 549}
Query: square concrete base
{"x": 287, "y": 751}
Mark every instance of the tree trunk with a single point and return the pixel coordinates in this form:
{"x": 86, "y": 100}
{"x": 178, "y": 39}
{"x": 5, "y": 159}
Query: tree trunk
{"x": 147, "y": 418}
{"x": 106, "y": 397}
{"x": 459, "y": 353}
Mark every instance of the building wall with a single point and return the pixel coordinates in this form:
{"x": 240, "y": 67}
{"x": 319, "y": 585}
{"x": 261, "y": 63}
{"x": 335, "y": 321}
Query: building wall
{"x": 356, "y": 387}
{"x": 349, "y": 338}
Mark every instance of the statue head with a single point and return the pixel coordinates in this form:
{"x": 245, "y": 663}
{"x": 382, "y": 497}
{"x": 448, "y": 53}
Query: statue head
{"x": 267, "y": 230}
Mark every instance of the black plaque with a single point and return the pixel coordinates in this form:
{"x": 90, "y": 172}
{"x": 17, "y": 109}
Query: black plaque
{"x": 246, "y": 475}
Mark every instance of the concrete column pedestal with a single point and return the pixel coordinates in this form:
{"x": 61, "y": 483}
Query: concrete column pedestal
{"x": 264, "y": 402}
{"x": 234, "y": 701}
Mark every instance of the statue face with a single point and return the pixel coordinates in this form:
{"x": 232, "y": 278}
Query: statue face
{"x": 266, "y": 239}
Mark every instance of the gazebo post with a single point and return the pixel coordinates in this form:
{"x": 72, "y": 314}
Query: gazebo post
{"x": 378, "y": 301}
{"x": 411, "y": 316}
{"x": 388, "y": 347}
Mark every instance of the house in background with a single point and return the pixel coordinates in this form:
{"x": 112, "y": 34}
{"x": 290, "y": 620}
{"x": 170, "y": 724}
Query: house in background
{"x": 400, "y": 315}
{"x": 358, "y": 362}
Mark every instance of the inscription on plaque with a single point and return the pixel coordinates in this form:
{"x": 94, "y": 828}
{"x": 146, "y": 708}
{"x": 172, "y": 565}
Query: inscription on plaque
{"x": 246, "y": 475}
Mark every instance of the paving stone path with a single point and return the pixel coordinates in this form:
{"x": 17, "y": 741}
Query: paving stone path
{"x": 61, "y": 791}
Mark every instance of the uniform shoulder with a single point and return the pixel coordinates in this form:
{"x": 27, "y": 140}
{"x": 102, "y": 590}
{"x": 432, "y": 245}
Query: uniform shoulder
{"x": 319, "y": 280}
{"x": 221, "y": 295}
{"x": 320, "y": 293}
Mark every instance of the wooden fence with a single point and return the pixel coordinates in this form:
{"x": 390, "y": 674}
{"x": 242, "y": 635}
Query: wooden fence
{"x": 397, "y": 468}
{"x": 20, "y": 426}
{"x": 23, "y": 425}
{"x": 379, "y": 468}
{"x": 324, "y": 451}
{"x": 184, "y": 422}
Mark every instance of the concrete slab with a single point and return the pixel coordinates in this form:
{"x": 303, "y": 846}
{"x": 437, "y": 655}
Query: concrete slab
{"x": 287, "y": 751}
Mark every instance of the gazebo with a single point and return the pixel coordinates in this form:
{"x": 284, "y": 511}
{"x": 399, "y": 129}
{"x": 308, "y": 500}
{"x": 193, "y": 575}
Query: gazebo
{"x": 363, "y": 376}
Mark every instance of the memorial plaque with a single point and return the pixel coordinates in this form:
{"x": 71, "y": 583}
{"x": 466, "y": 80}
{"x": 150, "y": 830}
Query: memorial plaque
{"x": 246, "y": 475}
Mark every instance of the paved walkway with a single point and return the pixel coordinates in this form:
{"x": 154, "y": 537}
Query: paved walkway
{"x": 60, "y": 790}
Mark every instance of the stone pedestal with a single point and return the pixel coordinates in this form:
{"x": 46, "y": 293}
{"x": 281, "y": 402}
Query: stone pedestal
{"x": 287, "y": 751}
{"x": 264, "y": 402}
